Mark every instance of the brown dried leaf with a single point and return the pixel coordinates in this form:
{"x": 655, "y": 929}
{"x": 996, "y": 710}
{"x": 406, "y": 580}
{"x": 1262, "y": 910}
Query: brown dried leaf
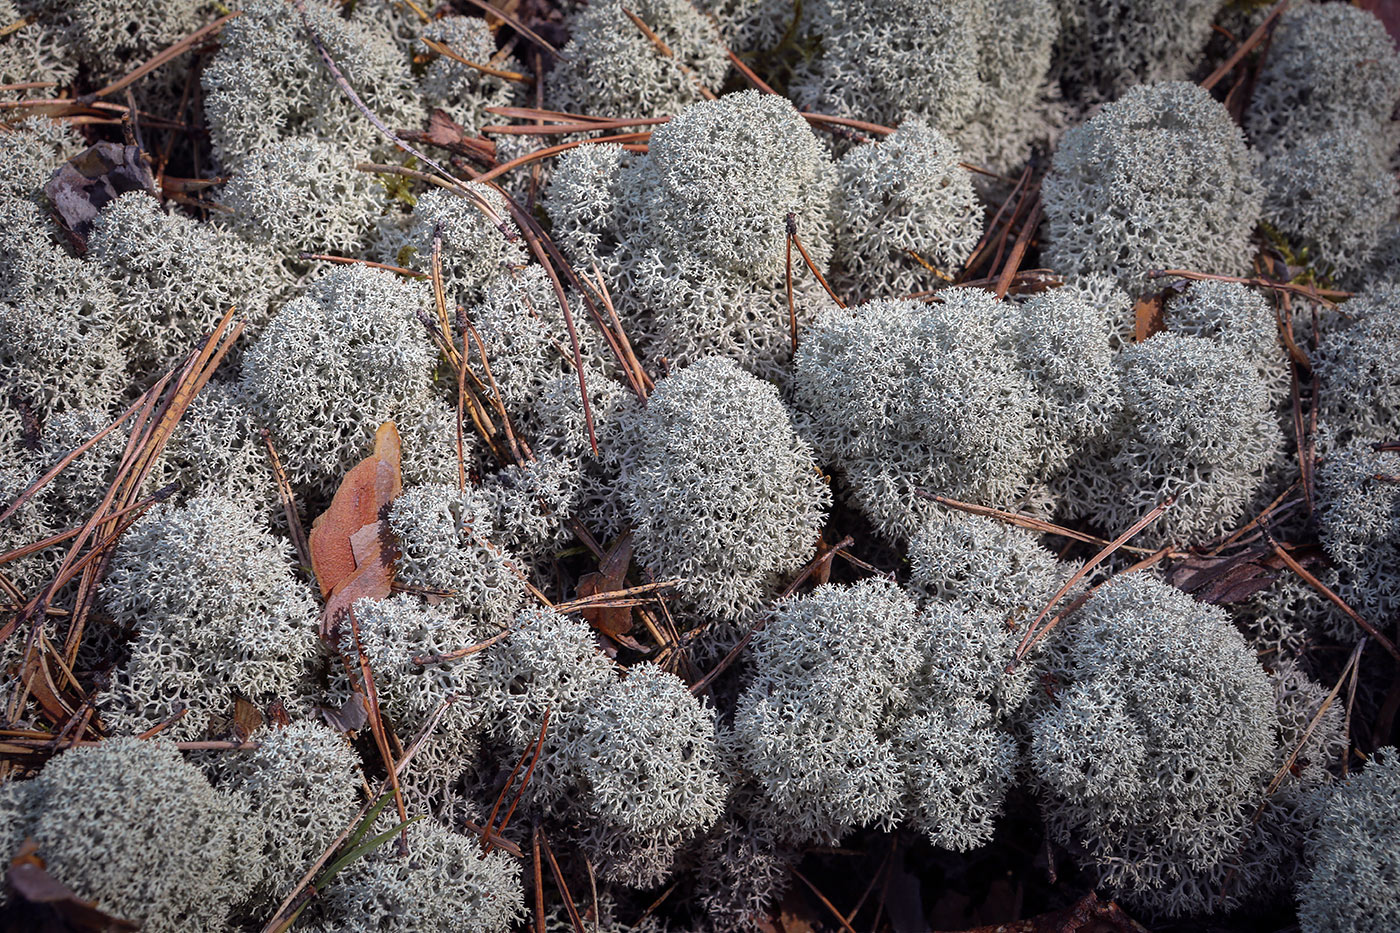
{"x": 351, "y": 717}
{"x": 1147, "y": 317}
{"x": 246, "y": 719}
{"x": 369, "y": 486}
{"x": 36, "y": 676}
{"x": 613, "y": 621}
{"x": 277, "y": 714}
{"x": 1233, "y": 579}
{"x": 444, "y": 131}
{"x": 93, "y": 177}
{"x": 372, "y": 579}
{"x": 43, "y": 904}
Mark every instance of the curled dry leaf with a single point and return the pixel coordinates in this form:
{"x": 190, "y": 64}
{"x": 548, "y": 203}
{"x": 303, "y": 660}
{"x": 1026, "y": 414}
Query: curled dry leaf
{"x": 610, "y": 576}
{"x": 352, "y": 550}
{"x": 90, "y": 179}
{"x": 42, "y": 903}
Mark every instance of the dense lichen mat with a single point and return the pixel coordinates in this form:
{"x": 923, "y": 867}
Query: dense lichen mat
{"x": 733, "y": 465}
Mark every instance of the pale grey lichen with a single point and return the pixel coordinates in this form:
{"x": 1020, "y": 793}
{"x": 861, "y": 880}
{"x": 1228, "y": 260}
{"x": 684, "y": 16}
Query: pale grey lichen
{"x": 403, "y": 640}
{"x": 217, "y": 449}
{"x": 981, "y": 582}
{"x": 692, "y": 236}
{"x": 1330, "y": 67}
{"x": 336, "y": 363}
{"x": 907, "y": 396}
{"x": 129, "y": 825}
{"x": 857, "y": 714}
{"x": 828, "y": 674}
{"x": 722, "y": 494}
{"x": 1357, "y": 362}
{"x": 446, "y": 884}
{"x": 1358, "y": 518}
{"x": 268, "y": 81}
{"x": 649, "y": 755}
{"x": 740, "y": 871}
{"x": 1235, "y": 316}
{"x": 217, "y": 615}
{"x": 1107, "y": 46}
{"x": 1159, "y": 179}
{"x": 962, "y": 398}
{"x": 298, "y": 790}
{"x": 612, "y": 69}
{"x": 301, "y": 193}
{"x": 957, "y": 770}
{"x": 35, "y": 51}
{"x": 1063, "y": 341}
{"x": 976, "y": 69}
{"x": 531, "y": 501}
{"x": 753, "y": 26}
{"x": 979, "y": 563}
{"x": 526, "y": 339}
{"x": 548, "y": 662}
{"x": 648, "y": 758}
{"x": 905, "y": 195}
{"x": 446, "y": 548}
{"x": 60, "y": 346}
{"x": 475, "y": 247}
{"x": 30, "y": 154}
{"x": 1197, "y": 423}
{"x": 111, "y": 37}
{"x": 1331, "y": 194}
{"x": 173, "y": 278}
{"x": 1151, "y": 751}
{"x": 1354, "y": 854}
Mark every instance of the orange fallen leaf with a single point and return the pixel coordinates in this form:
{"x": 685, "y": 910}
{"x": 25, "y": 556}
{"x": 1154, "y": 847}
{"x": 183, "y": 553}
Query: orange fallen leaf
{"x": 1147, "y": 317}
{"x": 352, "y": 551}
{"x": 611, "y": 575}
{"x": 246, "y": 719}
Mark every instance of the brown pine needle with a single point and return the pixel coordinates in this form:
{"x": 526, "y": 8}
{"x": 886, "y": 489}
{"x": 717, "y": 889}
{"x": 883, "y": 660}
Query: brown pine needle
{"x": 425, "y": 659}
{"x": 1287, "y": 765}
{"x": 492, "y": 834}
{"x": 748, "y": 73}
{"x": 824, "y": 120}
{"x": 174, "y": 51}
{"x": 558, "y": 129}
{"x": 665, "y": 50}
{"x": 160, "y": 495}
{"x": 548, "y": 151}
{"x": 376, "y": 725}
{"x": 618, "y": 597}
{"x": 1025, "y": 521}
{"x": 539, "y": 881}
{"x": 1326, "y": 591}
{"x": 82, "y": 448}
{"x": 793, "y": 238}
{"x": 1018, "y": 251}
{"x": 1311, "y": 292}
{"x": 1032, "y": 636}
{"x": 792, "y": 305}
{"x": 560, "y": 883}
{"x": 518, "y": 26}
{"x": 350, "y": 260}
{"x": 288, "y": 500}
{"x": 1246, "y": 47}
{"x": 840, "y": 917}
{"x": 444, "y": 50}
